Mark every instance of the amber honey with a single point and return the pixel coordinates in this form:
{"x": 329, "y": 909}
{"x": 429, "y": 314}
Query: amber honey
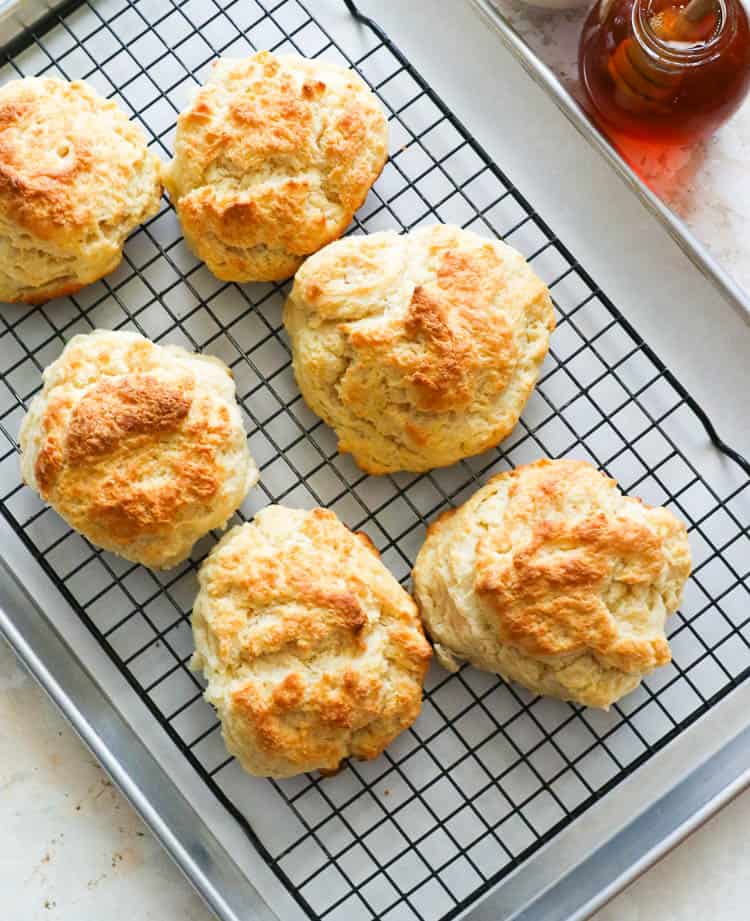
{"x": 651, "y": 72}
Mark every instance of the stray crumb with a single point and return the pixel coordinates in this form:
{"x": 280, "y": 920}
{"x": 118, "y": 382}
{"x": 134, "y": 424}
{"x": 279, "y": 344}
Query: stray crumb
{"x": 49, "y": 903}
{"x": 386, "y": 792}
{"x": 116, "y": 858}
{"x": 46, "y": 858}
{"x": 78, "y": 808}
{"x": 105, "y": 783}
{"x": 140, "y": 834}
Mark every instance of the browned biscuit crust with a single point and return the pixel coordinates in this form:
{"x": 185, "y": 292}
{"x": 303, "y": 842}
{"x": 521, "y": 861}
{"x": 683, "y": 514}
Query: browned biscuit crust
{"x": 272, "y": 158}
{"x": 421, "y": 349}
{"x": 312, "y": 651}
{"x": 76, "y": 177}
{"x": 139, "y": 447}
{"x": 551, "y": 577}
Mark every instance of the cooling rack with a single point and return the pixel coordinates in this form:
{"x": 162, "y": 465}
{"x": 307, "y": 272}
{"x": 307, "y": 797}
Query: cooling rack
{"x": 489, "y": 774}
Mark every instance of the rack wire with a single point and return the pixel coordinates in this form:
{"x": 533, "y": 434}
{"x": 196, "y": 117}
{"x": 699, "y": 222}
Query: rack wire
{"x": 489, "y": 773}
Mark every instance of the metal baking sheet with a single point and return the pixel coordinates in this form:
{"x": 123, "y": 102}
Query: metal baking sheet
{"x": 497, "y": 805}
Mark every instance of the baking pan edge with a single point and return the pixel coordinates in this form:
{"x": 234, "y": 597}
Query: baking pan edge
{"x": 125, "y": 758}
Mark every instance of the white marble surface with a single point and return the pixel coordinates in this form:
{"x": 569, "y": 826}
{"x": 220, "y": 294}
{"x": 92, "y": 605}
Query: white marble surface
{"x": 72, "y": 849}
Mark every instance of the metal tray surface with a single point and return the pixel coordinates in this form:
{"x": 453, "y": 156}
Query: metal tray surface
{"x": 496, "y": 803}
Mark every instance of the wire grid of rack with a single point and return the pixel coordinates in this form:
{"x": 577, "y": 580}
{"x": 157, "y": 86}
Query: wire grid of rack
{"x": 489, "y": 773}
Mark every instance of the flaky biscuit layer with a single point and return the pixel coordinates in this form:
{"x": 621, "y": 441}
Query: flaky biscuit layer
{"x": 549, "y": 576}
{"x": 138, "y": 446}
{"x": 312, "y": 651}
{"x": 420, "y": 349}
{"x": 272, "y": 158}
{"x": 76, "y": 177}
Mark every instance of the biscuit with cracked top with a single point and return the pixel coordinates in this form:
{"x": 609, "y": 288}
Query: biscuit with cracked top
{"x": 138, "y": 446}
{"x": 272, "y": 158}
{"x": 551, "y": 577}
{"x": 418, "y": 350}
{"x": 312, "y": 651}
{"x": 76, "y": 177}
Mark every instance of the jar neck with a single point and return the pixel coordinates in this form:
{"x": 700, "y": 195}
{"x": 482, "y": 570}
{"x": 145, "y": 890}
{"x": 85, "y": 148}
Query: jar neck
{"x": 683, "y": 55}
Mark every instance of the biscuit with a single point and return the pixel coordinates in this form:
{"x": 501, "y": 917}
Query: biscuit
{"x": 312, "y": 651}
{"x": 272, "y": 158}
{"x": 550, "y": 577}
{"x": 138, "y": 446}
{"x": 418, "y": 350}
{"x": 76, "y": 177}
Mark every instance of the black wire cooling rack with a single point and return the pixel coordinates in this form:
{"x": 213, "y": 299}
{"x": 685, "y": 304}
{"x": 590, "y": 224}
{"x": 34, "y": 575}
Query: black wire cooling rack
{"x": 489, "y": 773}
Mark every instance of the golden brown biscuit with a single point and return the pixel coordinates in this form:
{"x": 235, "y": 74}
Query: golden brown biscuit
{"x": 76, "y": 178}
{"x": 138, "y": 446}
{"x": 272, "y": 158}
{"x": 312, "y": 651}
{"x": 551, "y": 577}
{"x": 419, "y": 350}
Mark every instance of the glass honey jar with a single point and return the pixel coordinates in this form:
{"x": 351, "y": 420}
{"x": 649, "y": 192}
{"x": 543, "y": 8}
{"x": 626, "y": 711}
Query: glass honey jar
{"x": 665, "y": 70}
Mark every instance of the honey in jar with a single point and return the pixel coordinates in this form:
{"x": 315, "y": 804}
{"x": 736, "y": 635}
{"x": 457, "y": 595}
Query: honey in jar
{"x": 665, "y": 71}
